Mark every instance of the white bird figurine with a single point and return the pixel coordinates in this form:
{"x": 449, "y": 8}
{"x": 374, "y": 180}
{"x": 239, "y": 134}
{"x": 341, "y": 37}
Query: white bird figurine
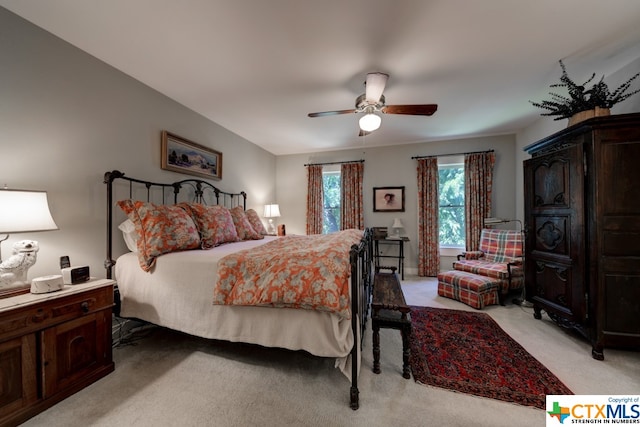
{"x": 13, "y": 271}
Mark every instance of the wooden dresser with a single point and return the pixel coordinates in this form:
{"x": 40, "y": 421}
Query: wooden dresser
{"x": 582, "y": 222}
{"x": 51, "y": 346}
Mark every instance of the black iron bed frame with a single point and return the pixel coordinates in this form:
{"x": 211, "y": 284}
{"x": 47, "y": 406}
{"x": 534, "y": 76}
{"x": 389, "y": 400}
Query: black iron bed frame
{"x": 199, "y": 191}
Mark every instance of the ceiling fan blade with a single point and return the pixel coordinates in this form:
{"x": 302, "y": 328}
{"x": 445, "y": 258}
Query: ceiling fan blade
{"x": 331, "y": 113}
{"x": 375, "y": 85}
{"x": 414, "y": 110}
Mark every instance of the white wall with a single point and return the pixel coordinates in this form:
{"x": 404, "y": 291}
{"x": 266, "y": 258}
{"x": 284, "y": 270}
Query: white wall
{"x": 66, "y": 118}
{"x": 393, "y": 166}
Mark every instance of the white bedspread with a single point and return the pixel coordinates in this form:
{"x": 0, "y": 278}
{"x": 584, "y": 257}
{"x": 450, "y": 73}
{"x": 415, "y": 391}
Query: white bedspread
{"x": 178, "y": 294}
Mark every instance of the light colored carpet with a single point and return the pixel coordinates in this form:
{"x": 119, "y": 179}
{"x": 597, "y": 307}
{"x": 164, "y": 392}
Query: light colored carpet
{"x": 169, "y": 379}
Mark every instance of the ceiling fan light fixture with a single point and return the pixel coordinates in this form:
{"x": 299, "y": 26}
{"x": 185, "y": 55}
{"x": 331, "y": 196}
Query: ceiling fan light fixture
{"x": 375, "y": 86}
{"x": 370, "y": 122}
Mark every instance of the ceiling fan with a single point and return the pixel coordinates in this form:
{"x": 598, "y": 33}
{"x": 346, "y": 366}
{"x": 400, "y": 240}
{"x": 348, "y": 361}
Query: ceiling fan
{"x": 373, "y": 101}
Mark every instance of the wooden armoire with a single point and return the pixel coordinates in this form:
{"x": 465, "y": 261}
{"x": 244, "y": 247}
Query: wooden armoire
{"x": 582, "y": 224}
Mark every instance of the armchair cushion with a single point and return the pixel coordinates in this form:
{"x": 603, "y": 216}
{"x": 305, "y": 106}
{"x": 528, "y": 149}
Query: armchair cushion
{"x": 498, "y": 270}
{"x": 501, "y": 245}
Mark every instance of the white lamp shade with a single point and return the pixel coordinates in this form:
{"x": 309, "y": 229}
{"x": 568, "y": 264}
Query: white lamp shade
{"x": 23, "y": 211}
{"x": 271, "y": 211}
{"x": 397, "y": 223}
{"x": 370, "y": 122}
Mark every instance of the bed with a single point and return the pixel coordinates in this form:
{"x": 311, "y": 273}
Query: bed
{"x": 176, "y": 286}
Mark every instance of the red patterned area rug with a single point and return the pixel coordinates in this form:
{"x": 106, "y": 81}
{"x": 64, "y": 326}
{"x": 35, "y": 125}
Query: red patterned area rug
{"x": 468, "y": 352}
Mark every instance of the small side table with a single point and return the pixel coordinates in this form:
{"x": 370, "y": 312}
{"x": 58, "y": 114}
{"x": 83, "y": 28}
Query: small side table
{"x": 390, "y": 241}
{"x": 389, "y": 310}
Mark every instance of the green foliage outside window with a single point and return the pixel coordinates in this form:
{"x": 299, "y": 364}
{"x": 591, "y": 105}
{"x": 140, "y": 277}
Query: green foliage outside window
{"x": 331, "y": 212}
{"x": 451, "y": 209}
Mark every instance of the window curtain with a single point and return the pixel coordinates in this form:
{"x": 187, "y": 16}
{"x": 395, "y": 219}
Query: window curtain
{"x": 478, "y": 182}
{"x": 315, "y": 202}
{"x": 428, "y": 244}
{"x": 351, "y": 212}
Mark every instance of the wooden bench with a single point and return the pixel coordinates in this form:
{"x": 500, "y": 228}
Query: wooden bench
{"x": 389, "y": 310}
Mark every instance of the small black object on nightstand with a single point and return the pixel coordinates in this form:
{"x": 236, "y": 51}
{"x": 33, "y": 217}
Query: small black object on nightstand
{"x": 64, "y": 262}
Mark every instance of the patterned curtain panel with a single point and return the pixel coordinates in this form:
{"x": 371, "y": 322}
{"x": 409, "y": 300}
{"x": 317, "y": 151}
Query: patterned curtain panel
{"x": 351, "y": 211}
{"x": 428, "y": 245}
{"x": 315, "y": 202}
{"x": 478, "y": 182}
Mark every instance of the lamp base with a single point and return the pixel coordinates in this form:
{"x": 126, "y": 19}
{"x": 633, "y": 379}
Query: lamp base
{"x": 272, "y": 228}
{"x": 13, "y": 270}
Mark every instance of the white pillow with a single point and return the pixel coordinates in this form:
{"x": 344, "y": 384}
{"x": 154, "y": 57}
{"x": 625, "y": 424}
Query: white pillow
{"x": 129, "y": 234}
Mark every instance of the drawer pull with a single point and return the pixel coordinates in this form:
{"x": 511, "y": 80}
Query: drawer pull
{"x": 85, "y": 307}
{"x": 39, "y": 317}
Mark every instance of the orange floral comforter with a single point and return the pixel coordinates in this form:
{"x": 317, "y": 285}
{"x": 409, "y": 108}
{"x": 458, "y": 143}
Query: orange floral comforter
{"x": 308, "y": 272}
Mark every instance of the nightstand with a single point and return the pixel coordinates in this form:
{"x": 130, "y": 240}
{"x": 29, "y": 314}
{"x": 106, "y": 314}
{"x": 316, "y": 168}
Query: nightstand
{"x": 53, "y": 345}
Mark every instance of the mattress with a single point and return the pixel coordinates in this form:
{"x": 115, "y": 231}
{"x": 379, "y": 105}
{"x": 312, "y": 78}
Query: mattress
{"x": 178, "y": 294}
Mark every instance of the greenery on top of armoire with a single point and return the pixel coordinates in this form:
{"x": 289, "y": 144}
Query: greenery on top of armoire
{"x": 583, "y": 98}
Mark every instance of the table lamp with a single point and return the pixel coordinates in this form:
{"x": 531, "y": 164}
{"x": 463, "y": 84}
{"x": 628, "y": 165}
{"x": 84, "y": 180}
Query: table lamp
{"x": 271, "y": 211}
{"x": 397, "y": 226}
{"x": 21, "y": 211}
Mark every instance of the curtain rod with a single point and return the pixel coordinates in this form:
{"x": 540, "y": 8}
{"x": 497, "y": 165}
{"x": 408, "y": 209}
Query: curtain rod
{"x": 452, "y": 154}
{"x": 335, "y": 163}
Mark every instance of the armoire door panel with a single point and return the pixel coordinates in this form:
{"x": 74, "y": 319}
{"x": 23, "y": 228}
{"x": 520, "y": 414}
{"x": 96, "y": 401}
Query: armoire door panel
{"x": 621, "y": 303}
{"x": 553, "y": 284}
{"x": 621, "y": 222}
{"x": 551, "y": 183}
{"x": 618, "y": 185}
{"x": 552, "y": 234}
{"x": 620, "y": 243}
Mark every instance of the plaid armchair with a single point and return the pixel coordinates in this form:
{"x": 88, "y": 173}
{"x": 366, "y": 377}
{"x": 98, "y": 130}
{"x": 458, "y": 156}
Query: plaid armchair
{"x": 500, "y": 256}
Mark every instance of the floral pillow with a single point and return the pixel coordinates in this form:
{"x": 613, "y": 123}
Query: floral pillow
{"x": 243, "y": 226}
{"x": 214, "y": 223}
{"x": 161, "y": 229}
{"x": 254, "y": 219}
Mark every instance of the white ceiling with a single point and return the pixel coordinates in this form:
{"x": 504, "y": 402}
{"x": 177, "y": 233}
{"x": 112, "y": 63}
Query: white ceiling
{"x": 258, "y": 67}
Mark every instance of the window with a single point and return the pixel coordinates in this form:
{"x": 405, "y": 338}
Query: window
{"x": 451, "y": 209}
{"x": 331, "y": 196}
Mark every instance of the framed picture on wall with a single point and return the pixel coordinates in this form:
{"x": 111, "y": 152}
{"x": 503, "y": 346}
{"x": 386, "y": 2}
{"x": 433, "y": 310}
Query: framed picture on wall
{"x": 184, "y": 156}
{"x": 388, "y": 199}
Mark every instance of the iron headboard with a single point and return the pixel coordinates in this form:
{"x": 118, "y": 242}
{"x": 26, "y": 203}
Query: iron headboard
{"x": 187, "y": 190}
